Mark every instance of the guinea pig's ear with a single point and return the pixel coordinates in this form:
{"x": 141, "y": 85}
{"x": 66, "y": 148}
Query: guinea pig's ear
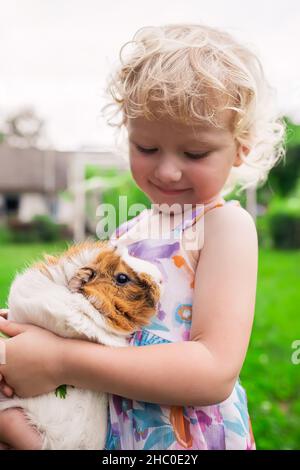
{"x": 82, "y": 277}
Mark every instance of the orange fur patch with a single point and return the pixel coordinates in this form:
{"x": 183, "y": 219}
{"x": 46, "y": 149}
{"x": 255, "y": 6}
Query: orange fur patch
{"x": 126, "y": 308}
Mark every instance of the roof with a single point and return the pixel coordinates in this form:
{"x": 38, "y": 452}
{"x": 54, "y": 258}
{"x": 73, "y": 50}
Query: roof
{"x": 44, "y": 171}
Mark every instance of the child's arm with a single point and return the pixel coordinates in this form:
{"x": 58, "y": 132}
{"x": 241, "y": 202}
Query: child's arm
{"x": 202, "y": 371}
{"x": 197, "y": 372}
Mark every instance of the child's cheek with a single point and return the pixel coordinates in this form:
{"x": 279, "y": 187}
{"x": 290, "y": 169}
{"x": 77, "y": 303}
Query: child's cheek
{"x": 140, "y": 169}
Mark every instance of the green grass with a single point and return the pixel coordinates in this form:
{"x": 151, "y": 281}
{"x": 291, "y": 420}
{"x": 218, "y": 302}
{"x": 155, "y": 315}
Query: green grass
{"x": 16, "y": 257}
{"x": 271, "y": 380}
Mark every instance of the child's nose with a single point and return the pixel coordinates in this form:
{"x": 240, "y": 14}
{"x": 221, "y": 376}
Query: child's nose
{"x": 167, "y": 172}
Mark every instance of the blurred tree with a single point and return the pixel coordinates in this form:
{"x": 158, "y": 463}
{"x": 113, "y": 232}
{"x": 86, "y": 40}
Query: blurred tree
{"x": 292, "y": 133}
{"x": 24, "y": 128}
{"x": 284, "y": 177}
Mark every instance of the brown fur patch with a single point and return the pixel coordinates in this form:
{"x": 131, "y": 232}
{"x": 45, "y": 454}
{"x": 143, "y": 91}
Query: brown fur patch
{"x": 126, "y": 307}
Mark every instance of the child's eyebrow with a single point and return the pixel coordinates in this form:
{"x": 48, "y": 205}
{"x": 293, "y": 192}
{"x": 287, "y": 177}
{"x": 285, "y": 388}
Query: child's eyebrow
{"x": 204, "y": 136}
{"x": 200, "y": 141}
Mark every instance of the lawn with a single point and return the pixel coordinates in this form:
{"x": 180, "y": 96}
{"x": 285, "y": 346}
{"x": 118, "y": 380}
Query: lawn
{"x": 16, "y": 257}
{"x": 271, "y": 380}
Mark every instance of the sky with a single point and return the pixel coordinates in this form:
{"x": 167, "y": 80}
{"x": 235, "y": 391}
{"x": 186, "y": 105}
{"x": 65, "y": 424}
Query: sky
{"x": 55, "y": 55}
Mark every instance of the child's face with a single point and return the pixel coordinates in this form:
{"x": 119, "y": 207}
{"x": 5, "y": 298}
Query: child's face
{"x": 177, "y": 163}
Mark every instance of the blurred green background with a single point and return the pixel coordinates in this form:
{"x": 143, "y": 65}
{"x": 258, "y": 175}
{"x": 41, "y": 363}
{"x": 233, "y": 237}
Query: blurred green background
{"x": 271, "y": 379}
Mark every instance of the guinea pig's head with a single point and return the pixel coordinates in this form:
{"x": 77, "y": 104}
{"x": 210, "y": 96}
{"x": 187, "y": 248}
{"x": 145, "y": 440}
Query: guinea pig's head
{"x": 124, "y": 289}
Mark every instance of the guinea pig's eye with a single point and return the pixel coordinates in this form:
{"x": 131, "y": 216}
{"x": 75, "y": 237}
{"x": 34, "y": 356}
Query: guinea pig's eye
{"x": 122, "y": 279}
{"x": 92, "y": 274}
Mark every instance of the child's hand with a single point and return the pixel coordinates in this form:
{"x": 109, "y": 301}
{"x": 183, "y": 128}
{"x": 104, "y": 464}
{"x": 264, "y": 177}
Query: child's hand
{"x": 33, "y": 359}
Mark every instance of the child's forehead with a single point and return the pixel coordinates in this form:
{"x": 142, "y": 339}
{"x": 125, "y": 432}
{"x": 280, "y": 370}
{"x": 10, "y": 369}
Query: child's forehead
{"x": 143, "y": 127}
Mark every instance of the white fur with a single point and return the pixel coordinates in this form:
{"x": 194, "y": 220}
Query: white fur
{"x": 78, "y": 421}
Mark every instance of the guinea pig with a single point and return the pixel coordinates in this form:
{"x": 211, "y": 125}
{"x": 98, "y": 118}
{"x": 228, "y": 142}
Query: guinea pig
{"x": 93, "y": 291}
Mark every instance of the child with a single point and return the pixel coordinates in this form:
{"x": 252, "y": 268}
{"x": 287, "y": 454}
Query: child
{"x": 199, "y": 117}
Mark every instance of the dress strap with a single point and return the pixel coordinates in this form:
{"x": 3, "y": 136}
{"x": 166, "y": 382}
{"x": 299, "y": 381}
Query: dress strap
{"x": 196, "y": 214}
{"x": 188, "y": 219}
{"x": 128, "y": 224}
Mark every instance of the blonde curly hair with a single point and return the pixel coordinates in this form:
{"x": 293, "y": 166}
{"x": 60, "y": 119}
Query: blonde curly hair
{"x": 192, "y": 73}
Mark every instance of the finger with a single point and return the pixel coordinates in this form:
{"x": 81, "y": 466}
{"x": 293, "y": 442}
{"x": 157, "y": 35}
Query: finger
{"x": 6, "y": 390}
{"x": 11, "y": 328}
{"x": 4, "y": 312}
{"x": 2, "y": 354}
{"x": 4, "y": 446}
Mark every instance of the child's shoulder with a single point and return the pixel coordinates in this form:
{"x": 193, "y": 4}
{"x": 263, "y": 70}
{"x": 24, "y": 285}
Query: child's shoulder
{"x": 231, "y": 210}
{"x": 230, "y": 219}
{"x": 230, "y": 239}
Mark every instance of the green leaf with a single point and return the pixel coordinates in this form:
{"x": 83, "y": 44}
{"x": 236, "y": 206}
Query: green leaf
{"x": 61, "y": 391}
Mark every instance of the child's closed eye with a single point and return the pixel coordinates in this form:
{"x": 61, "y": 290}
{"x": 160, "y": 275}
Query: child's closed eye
{"x": 192, "y": 156}
{"x": 145, "y": 150}
{"x": 196, "y": 156}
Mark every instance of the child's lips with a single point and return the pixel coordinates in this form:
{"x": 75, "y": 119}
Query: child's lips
{"x": 171, "y": 191}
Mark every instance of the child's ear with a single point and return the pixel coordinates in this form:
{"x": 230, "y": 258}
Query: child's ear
{"x": 241, "y": 150}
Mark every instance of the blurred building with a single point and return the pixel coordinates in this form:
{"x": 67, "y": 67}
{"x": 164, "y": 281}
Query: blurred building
{"x": 33, "y": 181}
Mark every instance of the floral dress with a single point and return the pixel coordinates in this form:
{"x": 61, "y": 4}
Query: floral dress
{"x": 140, "y": 425}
